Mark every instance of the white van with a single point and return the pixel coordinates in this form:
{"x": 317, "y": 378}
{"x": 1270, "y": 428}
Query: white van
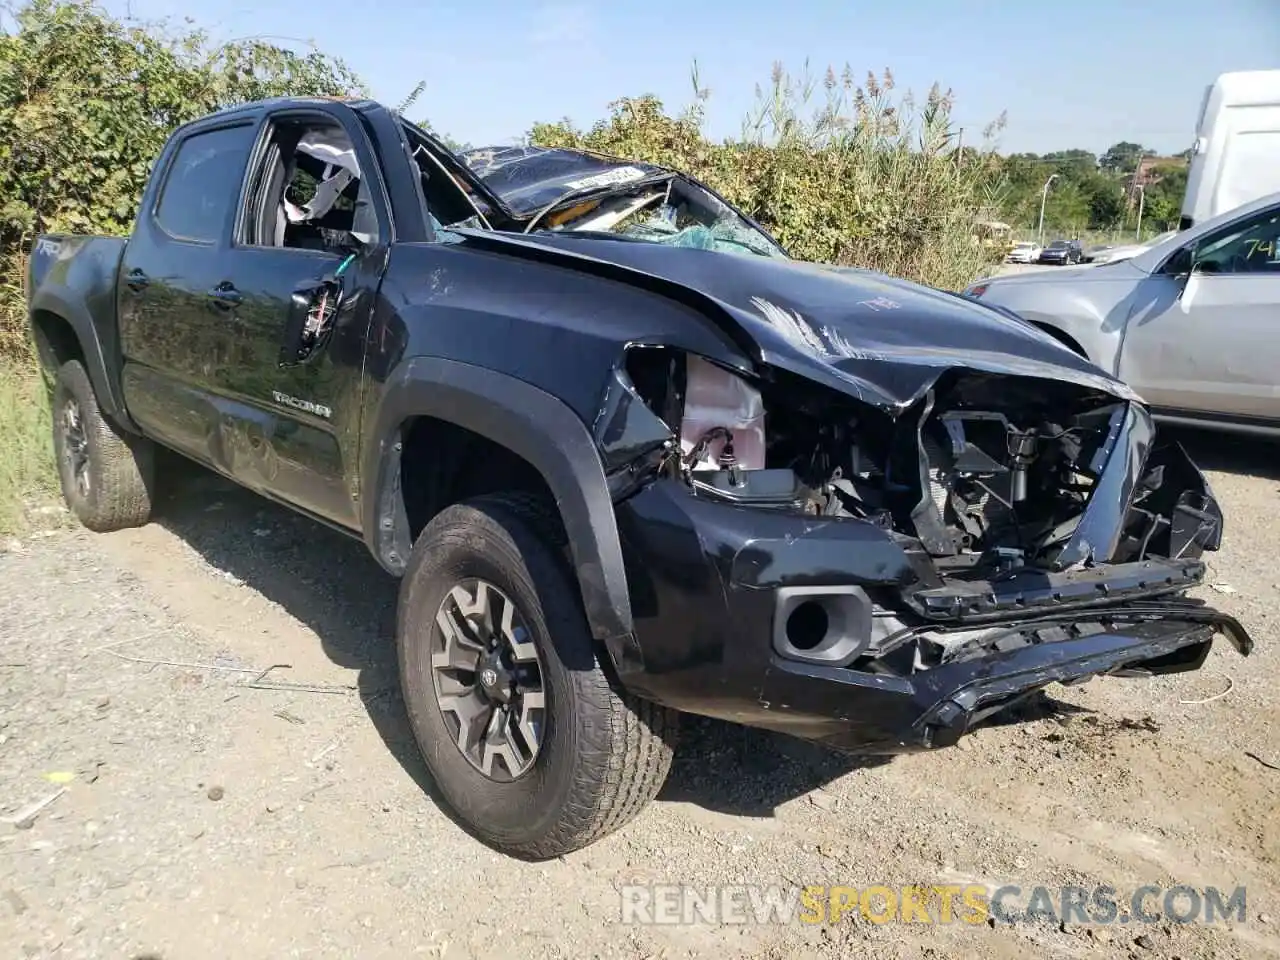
{"x": 1236, "y": 157}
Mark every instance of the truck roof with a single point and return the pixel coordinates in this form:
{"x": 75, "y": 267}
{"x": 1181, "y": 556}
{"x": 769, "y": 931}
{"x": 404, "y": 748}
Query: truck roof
{"x": 355, "y": 103}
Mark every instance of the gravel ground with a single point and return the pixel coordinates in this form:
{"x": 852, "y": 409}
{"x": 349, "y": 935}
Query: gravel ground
{"x": 206, "y": 813}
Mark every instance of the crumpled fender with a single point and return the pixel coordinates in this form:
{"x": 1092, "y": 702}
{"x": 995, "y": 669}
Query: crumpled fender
{"x": 532, "y": 424}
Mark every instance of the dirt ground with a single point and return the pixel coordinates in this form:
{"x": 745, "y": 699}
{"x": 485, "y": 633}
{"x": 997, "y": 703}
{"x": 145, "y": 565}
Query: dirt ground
{"x": 209, "y": 814}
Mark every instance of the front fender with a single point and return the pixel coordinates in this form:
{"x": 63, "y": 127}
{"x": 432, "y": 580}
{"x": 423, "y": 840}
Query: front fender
{"x": 530, "y": 423}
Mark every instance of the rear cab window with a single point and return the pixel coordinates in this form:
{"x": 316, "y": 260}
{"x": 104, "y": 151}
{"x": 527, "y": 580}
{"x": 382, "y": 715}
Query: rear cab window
{"x": 202, "y": 185}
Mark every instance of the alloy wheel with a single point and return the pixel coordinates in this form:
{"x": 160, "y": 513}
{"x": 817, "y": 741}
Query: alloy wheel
{"x": 488, "y": 679}
{"x": 75, "y": 446}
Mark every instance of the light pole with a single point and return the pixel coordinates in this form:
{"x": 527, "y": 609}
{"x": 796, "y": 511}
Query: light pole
{"x": 1044, "y": 195}
{"x": 1142, "y": 196}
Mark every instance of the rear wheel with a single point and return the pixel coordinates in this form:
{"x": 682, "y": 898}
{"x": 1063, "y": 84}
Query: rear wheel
{"x": 106, "y": 474}
{"x": 533, "y": 747}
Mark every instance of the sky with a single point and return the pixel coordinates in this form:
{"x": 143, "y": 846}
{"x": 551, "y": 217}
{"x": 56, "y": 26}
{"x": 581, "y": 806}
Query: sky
{"x": 1073, "y": 74}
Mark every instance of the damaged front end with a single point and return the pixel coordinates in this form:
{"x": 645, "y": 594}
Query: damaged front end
{"x": 882, "y": 577}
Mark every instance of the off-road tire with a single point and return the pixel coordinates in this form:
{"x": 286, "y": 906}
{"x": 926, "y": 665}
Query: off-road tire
{"x": 603, "y": 755}
{"x": 120, "y": 466}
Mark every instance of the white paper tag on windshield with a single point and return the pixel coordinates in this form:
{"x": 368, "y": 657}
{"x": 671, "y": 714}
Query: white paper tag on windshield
{"x": 607, "y": 179}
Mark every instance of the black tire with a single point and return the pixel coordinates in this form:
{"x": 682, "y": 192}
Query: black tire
{"x": 602, "y": 754}
{"x": 106, "y": 474}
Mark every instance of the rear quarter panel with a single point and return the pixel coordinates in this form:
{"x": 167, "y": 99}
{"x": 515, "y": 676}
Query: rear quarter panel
{"x": 74, "y": 278}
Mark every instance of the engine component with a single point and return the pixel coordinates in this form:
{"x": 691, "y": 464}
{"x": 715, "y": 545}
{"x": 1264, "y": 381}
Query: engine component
{"x": 759, "y": 488}
{"x": 1022, "y": 449}
{"x": 721, "y": 401}
{"x": 941, "y": 466}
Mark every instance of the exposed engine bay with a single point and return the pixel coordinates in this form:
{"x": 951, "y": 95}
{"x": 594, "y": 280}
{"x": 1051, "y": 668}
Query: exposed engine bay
{"x": 987, "y": 474}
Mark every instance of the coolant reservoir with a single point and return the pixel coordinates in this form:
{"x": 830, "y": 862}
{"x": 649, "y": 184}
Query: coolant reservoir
{"x": 714, "y": 397}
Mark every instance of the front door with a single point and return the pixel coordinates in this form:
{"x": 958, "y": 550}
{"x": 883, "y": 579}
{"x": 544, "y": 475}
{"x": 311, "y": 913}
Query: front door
{"x": 1207, "y": 343}
{"x": 297, "y": 286}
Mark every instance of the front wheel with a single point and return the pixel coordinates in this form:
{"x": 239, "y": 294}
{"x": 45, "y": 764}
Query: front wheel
{"x": 530, "y": 743}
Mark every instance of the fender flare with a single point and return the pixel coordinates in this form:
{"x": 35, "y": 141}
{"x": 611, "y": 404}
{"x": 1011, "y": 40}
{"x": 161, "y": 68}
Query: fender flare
{"x": 527, "y": 421}
{"x": 55, "y": 300}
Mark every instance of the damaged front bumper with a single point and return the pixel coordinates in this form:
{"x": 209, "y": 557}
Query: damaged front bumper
{"x": 935, "y": 708}
{"x": 819, "y": 627}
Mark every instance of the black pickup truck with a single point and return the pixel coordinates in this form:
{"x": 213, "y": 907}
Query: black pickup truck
{"x": 628, "y": 457}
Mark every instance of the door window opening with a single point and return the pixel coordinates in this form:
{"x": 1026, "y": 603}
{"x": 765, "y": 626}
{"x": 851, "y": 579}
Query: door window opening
{"x": 308, "y": 193}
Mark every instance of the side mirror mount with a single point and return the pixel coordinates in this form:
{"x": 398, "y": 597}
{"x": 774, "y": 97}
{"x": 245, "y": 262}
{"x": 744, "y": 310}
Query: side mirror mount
{"x": 313, "y": 305}
{"x": 313, "y": 308}
{"x": 1182, "y": 262}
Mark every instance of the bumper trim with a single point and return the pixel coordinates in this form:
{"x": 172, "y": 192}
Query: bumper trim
{"x": 979, "y": 601}
{"x": 936, "y": 707}
{"x": 1148, "y": 646}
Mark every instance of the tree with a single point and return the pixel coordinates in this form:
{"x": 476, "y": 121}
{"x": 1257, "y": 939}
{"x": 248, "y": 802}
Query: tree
{"x": 1123, "y": 157}
{"x": 1072, "y": 164}
{"x": 839, "y": 171}
{"x": 1162, "y": 206}
{"x": 1066, "y": 209}
{"x": 87, "y": 101}
{"x": 1106, "y": 202}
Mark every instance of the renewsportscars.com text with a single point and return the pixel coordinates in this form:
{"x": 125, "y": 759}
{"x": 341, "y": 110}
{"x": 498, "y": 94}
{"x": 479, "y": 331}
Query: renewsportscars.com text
{"x": 938, "y": 903}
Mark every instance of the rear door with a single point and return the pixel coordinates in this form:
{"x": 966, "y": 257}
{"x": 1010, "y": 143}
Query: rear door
{"x": 308, "y": 246}
{"x": 1208, "y": 343}
{"x": 169, "y": 324}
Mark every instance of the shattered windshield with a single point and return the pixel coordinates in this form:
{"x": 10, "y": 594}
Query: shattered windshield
{"x": 562, "y": 190}
{"x": 674, "y": 213}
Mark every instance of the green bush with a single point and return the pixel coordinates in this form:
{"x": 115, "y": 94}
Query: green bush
{"x": 863, "y": 178}
{"x": 27, "y": 473}
{"x": 86, "y": 103}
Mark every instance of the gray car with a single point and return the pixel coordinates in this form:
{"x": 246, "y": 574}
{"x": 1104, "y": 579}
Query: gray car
{"x": 1190, "y": 323}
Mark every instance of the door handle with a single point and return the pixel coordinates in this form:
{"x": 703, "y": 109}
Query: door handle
{"x": 136, "y": 280}
{"x": 225, "y": 295}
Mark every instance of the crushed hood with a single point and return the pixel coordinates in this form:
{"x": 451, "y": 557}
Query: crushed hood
{"x": 884, "y": 340}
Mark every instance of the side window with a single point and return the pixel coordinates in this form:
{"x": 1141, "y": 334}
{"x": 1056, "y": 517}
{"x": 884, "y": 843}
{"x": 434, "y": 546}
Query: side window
{"x": 1248, "y": 246}
{"x": 449, "y": 202}
{"x": 203, "y": 183}
{"x": 308, "y": 192}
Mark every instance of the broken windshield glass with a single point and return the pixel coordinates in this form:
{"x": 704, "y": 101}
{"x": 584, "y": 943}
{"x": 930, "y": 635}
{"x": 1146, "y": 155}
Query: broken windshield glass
{"x": 562, "y": 190}
{"x": 675, "y": 213}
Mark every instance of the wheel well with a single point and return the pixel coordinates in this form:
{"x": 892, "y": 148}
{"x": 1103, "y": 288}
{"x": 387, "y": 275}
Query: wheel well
{"x": 442, "y": 463}
{"x": 56, "y": 342}
{"x": 1063, "y": 339}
